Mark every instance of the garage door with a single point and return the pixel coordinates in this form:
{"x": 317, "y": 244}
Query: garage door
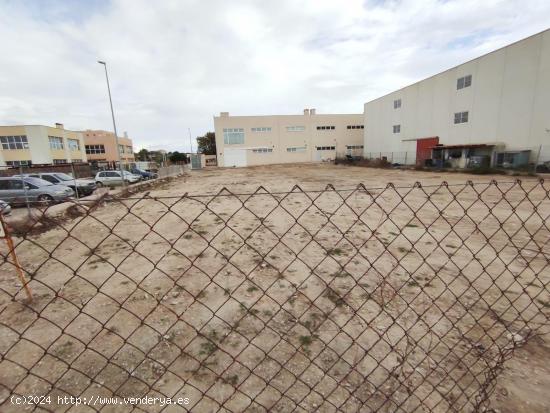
{"x": 235, "y": 157}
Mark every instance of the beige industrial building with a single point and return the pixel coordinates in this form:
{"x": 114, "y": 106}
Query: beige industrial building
{"x": 492, "y": 110}
{"x": 101, "y": 147}
{"x": 309, "y": 137}
{"x": 25, "y": 145}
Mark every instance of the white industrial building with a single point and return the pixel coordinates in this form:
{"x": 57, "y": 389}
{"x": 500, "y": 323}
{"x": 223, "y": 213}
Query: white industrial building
{"x": 308, "y": 137}
{"x": 494, "y": 109}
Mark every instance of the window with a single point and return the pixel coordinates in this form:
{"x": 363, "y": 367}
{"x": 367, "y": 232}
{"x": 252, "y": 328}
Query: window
{"x": 461, "y": 117}
{"x": 49, "y": 178}
{"x": 55, "y": 142}
{"x": 59, "y": 161}
{"x": 129, "y": 149}
{"x": 14, "y": 142}
{"x": 396, "y": 128}
{"x": 76, "y": 161}
{"x": 295, "y": 128}
{"x": 463, "y": 82}
{"x": 262, "y": 129}
{"x": 356, "y": 126}
{"x": 233, "y": 136}
{"x": 93, "y": 149}
{"x": 262, "y": 150}
{"x": 354, "y": 146}
{"x": 18, "y": 163}
{"x": 325, "y": 128}
{"x": 326, "y": 148}
{"x": 296, "y": 149}
{"x": 74, "y": 144}
{"x": 397, "y": 103}
{"x": 121, "y": 148}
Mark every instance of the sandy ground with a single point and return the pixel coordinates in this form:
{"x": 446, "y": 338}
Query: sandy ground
{"x": 383, "y": 298}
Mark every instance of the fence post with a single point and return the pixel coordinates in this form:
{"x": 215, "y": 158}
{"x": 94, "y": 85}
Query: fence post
{"x": 74, "y": 180}
{"x": 4, "y": 233}
{"x": 24, "y": 189}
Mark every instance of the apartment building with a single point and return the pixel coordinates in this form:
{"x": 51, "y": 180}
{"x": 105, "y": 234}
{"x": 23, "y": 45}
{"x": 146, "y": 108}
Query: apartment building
{"x": 492, "y": 109}
{"x": 308, "y": 137}
{"x": 101, "y": 146}
{"x": 24, "y": 145}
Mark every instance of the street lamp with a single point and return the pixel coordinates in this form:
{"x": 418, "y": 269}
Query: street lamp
{"x": 114, "y": 123}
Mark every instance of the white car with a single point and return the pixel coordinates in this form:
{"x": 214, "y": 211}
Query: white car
{"x": 5, "y": 208}
{"x": 110, "y": 178}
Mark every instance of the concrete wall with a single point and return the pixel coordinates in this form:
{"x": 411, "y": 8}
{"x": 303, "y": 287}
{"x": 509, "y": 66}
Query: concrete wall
{"x": 508, "y": 102}
{"x": 279, "y": 138}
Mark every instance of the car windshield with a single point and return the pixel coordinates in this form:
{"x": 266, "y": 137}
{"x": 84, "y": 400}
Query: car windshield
{"x": 64, "y": 177}
{"x": 127, "y": 173}
{"x": 37, "y": 182}
{"x": 139, "y": 170}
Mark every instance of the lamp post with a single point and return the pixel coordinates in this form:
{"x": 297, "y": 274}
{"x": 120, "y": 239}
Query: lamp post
{"x": 114, "y": 123}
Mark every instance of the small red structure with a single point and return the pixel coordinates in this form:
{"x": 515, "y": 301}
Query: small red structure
{"x": 424, "y": 149}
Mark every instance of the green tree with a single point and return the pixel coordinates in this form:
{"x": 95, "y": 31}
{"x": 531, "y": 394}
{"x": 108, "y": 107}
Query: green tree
{"x": 176, "y": 157}
{"x": 142, "y": 155}
{"x": 207, "y": 143}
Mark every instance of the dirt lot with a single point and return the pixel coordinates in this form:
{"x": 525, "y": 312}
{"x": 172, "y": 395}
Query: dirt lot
{"x": 403, "y": 298}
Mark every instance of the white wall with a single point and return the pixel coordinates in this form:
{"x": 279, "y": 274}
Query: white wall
{"x": 508, "y": 102}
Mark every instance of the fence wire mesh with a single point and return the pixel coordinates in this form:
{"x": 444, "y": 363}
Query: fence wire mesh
{"x": 355, "y": 300}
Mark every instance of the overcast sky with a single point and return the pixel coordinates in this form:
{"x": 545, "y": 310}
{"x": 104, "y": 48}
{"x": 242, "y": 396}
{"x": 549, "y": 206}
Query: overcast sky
{"x": 173, "y": 64}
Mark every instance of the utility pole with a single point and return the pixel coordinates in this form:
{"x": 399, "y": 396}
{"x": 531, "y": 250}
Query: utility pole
{"x": 114, "y": 123}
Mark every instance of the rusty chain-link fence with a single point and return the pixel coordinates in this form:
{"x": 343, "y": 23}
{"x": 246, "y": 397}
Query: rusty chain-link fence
{"x": 354, "y": 300}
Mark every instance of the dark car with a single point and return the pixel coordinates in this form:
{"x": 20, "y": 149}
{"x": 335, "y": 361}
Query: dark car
{"x": 144, "y": 174}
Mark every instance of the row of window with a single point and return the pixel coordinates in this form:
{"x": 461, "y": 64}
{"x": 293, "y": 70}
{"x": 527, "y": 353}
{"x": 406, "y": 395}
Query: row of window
{"x": 326, "y": 127}
{"x": 460, "y": 117}
{"x": 356, "y": 126}
{"x": 125, "y": 149}
{"x": 262, "y": 150}
{"x": 94, "y": 149}
{"x": 326, "y": 148}
{"x": 262, "y": 129}
{"x": 18, "y": 163}
{"x": 354, "y": 146}
{"x": 461, "y": 83}
{"x": 14, "y": 142}
{"x": 296, "y": 149}
{"x": 295, "y": 128}
{"x": 233, "y": 136}
{"x": 56, "y": 142}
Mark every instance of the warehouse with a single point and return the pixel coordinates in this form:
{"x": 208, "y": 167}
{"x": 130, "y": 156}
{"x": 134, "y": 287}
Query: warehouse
{"x": 308, "y": 137}
{"x": 493, "y": 110}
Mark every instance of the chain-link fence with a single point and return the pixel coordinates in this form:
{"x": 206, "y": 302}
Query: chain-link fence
{"x": 391, "y": 299}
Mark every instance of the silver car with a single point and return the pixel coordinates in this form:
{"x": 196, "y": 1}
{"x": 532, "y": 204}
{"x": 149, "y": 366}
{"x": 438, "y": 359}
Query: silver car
{"x": 84, "y": 187}
{"x": 5, "y": 208}
{"x": 22, "y": 189}
{"x": 108, "y": 178}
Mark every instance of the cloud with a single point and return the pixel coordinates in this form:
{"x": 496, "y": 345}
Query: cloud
{"x": 174, "y": 64}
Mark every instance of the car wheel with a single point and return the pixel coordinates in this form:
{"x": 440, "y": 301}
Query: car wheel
{"x": 45, "y": 199}
{"x": 99, "y": 184}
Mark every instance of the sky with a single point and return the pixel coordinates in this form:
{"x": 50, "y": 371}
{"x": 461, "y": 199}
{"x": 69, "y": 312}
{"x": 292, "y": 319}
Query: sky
{"x": 174, "y": 64}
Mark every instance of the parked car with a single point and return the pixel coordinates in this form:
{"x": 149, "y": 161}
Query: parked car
{"x": 17, "y": 190}
{"x": 144, "y": 174}
{"x": 83, "y": 187}
{"x": 5, "y": 208}
{"x": 107, "y": 178}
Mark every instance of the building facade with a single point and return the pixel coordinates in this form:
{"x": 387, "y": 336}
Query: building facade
{"x": 101, "y": 147}
{"x": 40, "y": 145}
{"x": 493, "y": 109}
{"x": 309, "y": 137}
